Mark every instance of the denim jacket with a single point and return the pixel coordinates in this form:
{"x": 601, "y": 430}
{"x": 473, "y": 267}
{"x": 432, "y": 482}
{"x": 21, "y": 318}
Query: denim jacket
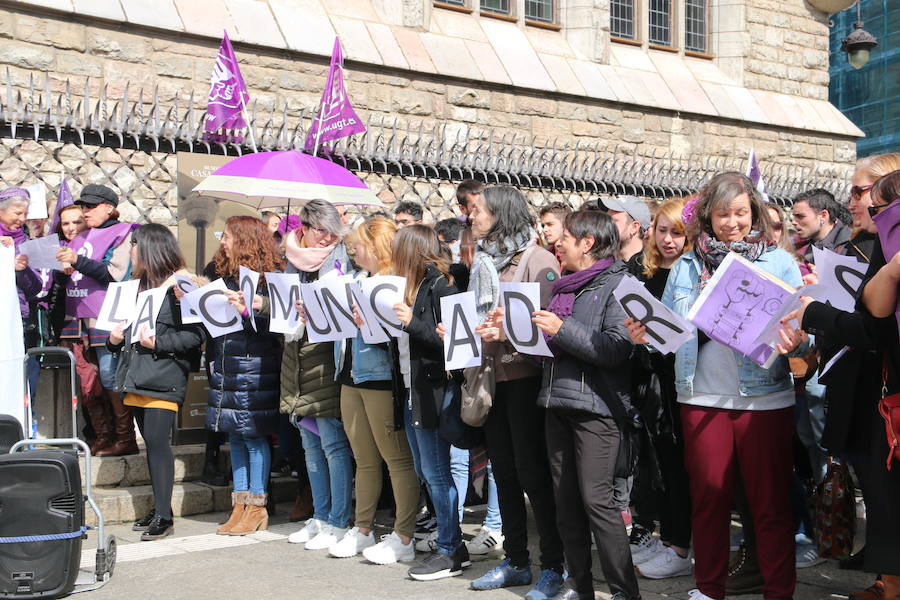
{"x": 370, "y": 361}
{"x": 682, "y": 290}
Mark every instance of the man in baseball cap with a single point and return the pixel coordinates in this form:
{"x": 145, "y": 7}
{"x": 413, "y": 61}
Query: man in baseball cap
{"x": 632, "y": 218}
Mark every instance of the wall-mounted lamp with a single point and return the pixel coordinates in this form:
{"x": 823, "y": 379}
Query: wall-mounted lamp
{"x": 858, "y": 44}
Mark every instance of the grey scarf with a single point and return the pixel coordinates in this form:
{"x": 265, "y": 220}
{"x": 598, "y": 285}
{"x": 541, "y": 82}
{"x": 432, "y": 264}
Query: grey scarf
{"x": 486, "y": 267}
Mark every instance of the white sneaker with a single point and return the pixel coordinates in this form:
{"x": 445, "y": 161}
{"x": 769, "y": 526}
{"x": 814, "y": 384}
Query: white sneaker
{"x": 351, "y": 544}
{"x": 666, "y": 564}
{"x": 428, "y": 543}
{"x": 326, "y": 538}
{"x": 310, "y": 529}
{"x": 807, "y": 555}
{"x": 696, "y": 594}
{"x": 652, "y": 549}
{"x": 485, "y": 542}
{"x": 389, "y": 550}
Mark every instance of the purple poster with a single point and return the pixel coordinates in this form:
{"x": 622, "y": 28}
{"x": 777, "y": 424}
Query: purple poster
{"x": 888, "y": 224}
{"x": 737, "y": 304}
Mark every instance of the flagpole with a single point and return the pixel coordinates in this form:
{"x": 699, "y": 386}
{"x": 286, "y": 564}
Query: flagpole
{"x": 318, "y": 118}
{"x": 249, "y": 124}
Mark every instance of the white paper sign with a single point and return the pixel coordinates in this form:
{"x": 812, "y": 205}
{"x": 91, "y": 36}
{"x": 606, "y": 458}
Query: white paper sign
{"x": 248, "y": 279}
{"x": 149, "y": 302}
{"x": 329, "y": 309}
{"x": 41, "y": 252}
{"x": 769, "y": 334}
{"x": 666, "y": 331}
{"x": 217, "y": 315}
{"x": 372, "y": 332}
{"x": 519, "y": 300}
{"x": 189, "y": 314}
{"x": 37, "y": 204}
{"x": 284, "y": 291}
{"x": 381, "y": 293}
{"x": 462, "y": 346}
{"x": 119, "y": 304}
{"x": 12, "y": 350}
{"x": 841, "y": 275}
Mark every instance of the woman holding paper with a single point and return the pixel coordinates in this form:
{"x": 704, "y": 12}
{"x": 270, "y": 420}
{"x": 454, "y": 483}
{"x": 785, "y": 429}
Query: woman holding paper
{"x": 737, "y": 416}
{"x": 372, "y": 417}
{"x": 244, "y": 370}
{"x": 152, "y": 368}
{"x": 419, "y": 366}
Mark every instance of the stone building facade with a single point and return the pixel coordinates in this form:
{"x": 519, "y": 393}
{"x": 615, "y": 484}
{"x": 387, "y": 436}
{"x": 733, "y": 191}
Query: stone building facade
{"x": 762, "y": 81}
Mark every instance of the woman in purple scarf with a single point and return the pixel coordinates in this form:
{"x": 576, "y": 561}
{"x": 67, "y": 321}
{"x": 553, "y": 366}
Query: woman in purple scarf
{"x": 589, "y": 370}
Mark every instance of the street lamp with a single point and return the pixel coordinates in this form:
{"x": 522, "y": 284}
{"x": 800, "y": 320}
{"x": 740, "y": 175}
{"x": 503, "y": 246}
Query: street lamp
{"x": 858, "y": 44}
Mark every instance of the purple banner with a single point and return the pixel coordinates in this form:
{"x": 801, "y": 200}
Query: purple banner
{"x": 336, "y": 118}
{"x": 227, "y": 94}
{"x": 888, "y": 224}
{"x": 84, "y": 296}
{"x": 737, "y": 304}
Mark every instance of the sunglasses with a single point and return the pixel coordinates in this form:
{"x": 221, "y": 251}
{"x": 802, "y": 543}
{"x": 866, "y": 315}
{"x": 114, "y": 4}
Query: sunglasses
{"x": 777, "y": 225}
{"x": 874, "y": 210}
{"x": 858, "y": 190}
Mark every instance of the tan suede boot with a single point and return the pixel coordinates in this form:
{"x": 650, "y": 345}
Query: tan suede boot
{"x": 239, "y": 502}
{"x": 255, "y": 517}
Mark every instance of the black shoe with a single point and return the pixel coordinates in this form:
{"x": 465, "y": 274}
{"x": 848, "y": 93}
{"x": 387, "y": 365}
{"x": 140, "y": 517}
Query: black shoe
{"x": 567, "y": 593}
{"x": 743, "y": 575}
{"x": 854, "y": 563}
{"x": 436, "y": 566}
{"x": 144, "y": 522}
{"x": 462, "y": 555}
{"x": 159, "y": 528}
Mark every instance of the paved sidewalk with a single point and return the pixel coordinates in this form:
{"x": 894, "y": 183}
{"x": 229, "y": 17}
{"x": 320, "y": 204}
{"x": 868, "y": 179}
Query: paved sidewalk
{"x": 195, "y": 563}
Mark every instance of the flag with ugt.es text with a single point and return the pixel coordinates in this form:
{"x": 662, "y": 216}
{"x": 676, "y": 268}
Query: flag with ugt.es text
{"x": 336, "y": 117}
{"x": 755, "y": 175}
{"x": 227, "y": 95}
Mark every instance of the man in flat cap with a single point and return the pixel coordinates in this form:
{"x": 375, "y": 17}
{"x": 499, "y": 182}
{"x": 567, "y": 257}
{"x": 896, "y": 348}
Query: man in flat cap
{"x": 98, "y": 257}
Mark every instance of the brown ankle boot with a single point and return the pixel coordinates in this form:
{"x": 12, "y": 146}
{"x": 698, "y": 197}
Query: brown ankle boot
{"x": 255, "y": 517}
{"x": 124, "y": 421}
{"x": 891, "y": 587}
{"x": 239, "y": 502}
{"x": 303, "y": 506}
{"x": 100, "y": 422}
{"x": 873, "y": 592}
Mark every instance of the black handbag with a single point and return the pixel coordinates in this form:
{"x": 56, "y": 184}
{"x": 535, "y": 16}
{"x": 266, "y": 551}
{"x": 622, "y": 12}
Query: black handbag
{"x": 450, "y": 424}
{"x": 635, "y": 443}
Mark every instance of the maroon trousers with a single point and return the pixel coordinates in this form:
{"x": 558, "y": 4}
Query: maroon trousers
{"x": 721, "y": 445}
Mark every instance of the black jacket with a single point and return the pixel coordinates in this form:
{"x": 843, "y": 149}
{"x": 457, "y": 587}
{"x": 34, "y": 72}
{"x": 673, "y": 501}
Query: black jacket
{"x": 163, "y": 371}
{"x": 428, "y": 375}
{"x": 595, "y": 350}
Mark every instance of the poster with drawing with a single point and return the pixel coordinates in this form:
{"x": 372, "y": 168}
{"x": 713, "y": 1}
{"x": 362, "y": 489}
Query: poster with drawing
{"x": 737, "y": 304}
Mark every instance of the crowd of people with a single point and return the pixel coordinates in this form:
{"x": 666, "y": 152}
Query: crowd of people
{"x": 720, "y": 430}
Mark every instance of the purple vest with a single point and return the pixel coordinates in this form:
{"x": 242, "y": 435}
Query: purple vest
{"x": 84, "y": 296}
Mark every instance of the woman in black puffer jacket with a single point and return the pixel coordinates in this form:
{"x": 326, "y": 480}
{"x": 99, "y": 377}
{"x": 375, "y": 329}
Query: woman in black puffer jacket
{"x": 245, "y": 368}
{"x": 153, "y": 369}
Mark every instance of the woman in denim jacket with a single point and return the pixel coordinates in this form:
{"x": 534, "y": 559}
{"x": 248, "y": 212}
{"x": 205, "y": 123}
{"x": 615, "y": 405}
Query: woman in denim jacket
{"x": 737, "y": 417}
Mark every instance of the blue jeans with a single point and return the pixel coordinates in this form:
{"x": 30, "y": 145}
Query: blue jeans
{"x": 459, "y": 467}
{"x": 251, "y": 460}
{"x": 107, "y": 363}
{"x": 329, "y": 465}
{"x": 431, "y": 457}
{"x": 33, "y": 373}
{"x": 810, "y": 416}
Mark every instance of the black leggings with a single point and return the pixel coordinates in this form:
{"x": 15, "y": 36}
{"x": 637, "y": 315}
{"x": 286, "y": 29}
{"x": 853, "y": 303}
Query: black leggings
{"x": 156, "y": 427}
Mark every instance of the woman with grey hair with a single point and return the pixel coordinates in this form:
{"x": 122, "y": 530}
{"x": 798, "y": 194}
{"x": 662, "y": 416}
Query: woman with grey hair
{"x": 13, "y": 209}
{"x": 308, "y": 387}
{"x": 514, "y": 430}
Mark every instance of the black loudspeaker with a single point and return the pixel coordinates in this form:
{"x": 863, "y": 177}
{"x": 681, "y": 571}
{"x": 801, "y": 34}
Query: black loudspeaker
{"x": 10, "y": 432}
{"x": 40, "y": 493}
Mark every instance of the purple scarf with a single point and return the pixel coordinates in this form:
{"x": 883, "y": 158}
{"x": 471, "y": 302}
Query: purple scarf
{"x": 18, "y": 235}
{"x": 567, "y": 286}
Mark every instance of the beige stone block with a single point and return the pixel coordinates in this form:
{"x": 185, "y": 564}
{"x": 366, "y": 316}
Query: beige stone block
{"x": 597, "y": 130}
{"x": 464, "y": 114}
{"x": 159, "y": 13}
{"x": 411, "y": 102}
{"x": 598, "y": 114}
{"x": 551, "y": 128}
{"x": 317, "y": 34}
{"x": 105, "y": 9}
{"x": 450, "y": 56}
{"x": 459, "y": 25}
{"x": 682, "y": 84}
{"x": 175, "y": 66}
{"x": 105, "y": 471}
{"x": 562, "y": 74}
{"x": 199, "y": 18}
{"x": 260, "y": 79}
{"x": 387, "y": 45}
{"x": 531, "y": 105}
{"x": 466, "y": 96}
{"x": 549, "y": 42}
{"x": 78, "y": 65}
{"x": 517, "y": 55}
{"x": 414, "y": 50}
{"x": 128, "y": 48}
{"x": 632, "y": 58}
{"x": 356, "y": 41}
{"x": 63, "y": 5}
{"x": 502, "y": 102}
{"x": 570, "y": 110}
{"x": 355, "y": 9}
{"x": 255, "y": 23}
{"x": 429, "y": 86}
{"x": 25, "y": 56}
{"x": 50, "y": 32}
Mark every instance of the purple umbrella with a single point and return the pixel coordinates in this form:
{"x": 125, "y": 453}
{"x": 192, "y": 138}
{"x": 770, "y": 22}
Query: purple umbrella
{"x": 273, "y": 179}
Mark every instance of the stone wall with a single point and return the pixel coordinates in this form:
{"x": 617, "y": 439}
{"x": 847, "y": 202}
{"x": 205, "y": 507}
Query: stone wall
{"x": 111, "y": 55}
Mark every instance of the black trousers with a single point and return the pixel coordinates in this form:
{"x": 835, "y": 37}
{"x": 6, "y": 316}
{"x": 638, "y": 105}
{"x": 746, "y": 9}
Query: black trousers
{"x": 675, "y": 500}
{"x": 514, "y": 434}
{"x": 582, "y": 448}
{"x": 156, "y": 428}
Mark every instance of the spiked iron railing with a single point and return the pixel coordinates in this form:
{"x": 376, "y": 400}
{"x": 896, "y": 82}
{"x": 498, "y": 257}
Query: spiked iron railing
{"x": 424, "y": 151}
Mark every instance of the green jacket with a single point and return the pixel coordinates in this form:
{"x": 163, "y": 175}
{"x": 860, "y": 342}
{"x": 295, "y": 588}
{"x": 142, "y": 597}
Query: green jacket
{"x": 308, "y": 386}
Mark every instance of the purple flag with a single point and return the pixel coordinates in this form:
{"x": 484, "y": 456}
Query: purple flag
{"x": 888, "y": 224}
{"x": 755, "y": 175}
{"x": 737, "y": 304}
{"x": 227, "y": 94}
{"x": 336, "y": 118}
{"x": 63, "y": 199}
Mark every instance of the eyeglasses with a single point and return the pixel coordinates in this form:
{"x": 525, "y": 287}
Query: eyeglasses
{"x": 874, "y": 210}
{"x": 777, "y": 225}
{"x": 319, "y": 231}
{"x": 858, "y": 190}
